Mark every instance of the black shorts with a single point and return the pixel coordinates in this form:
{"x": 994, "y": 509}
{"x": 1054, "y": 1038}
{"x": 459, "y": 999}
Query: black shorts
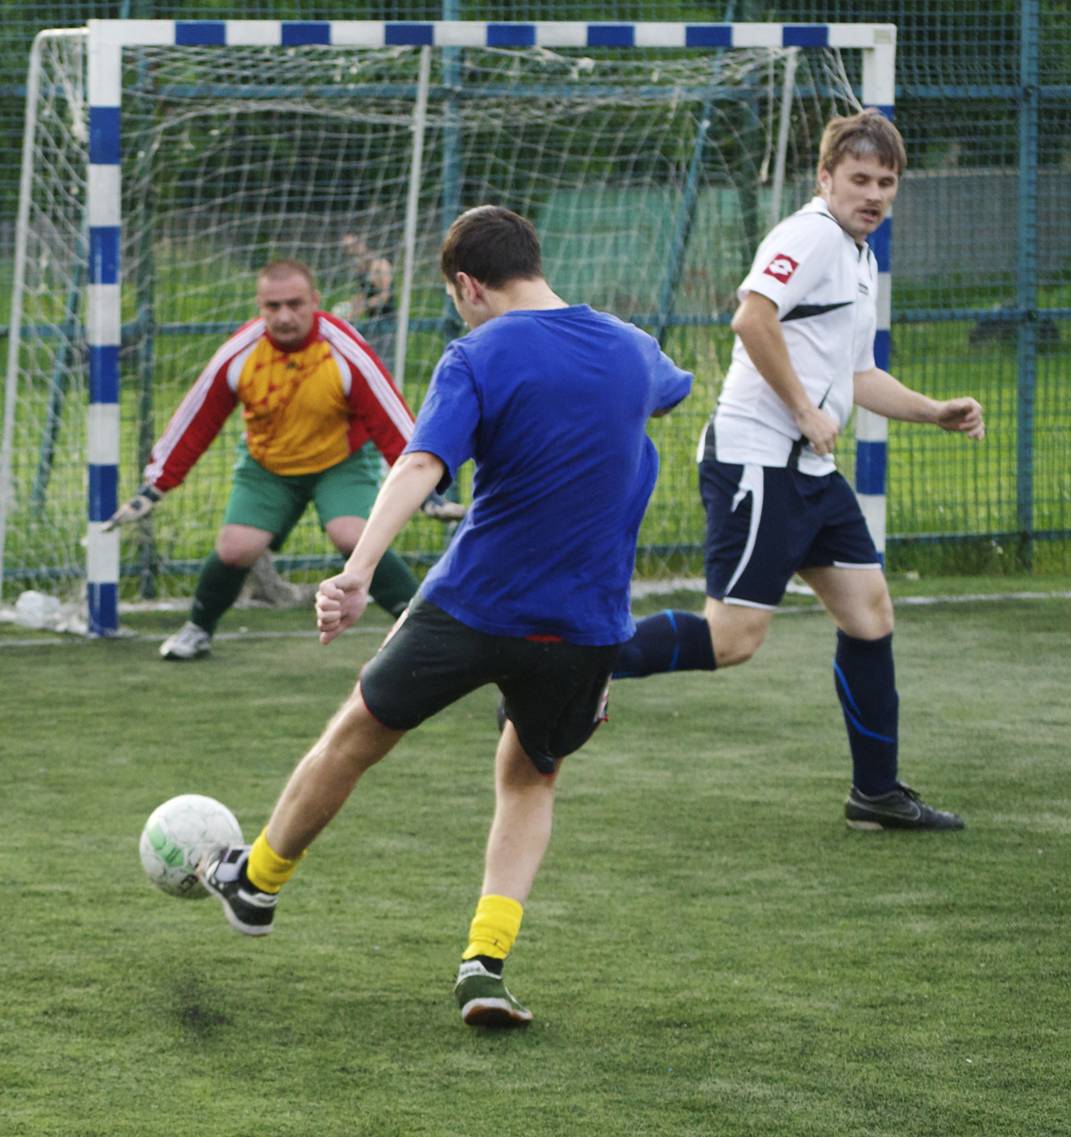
{"x": 555, "y": 692}
{"x": 765, "y": 523}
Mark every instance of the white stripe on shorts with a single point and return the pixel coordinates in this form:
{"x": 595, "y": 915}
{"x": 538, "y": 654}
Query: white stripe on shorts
{"x": 857, "y": 565}
{"x": 751, "y": 481}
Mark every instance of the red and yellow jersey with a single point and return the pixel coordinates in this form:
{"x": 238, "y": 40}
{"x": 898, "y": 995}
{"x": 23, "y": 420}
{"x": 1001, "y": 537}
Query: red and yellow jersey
{"x": 305, "y": 410}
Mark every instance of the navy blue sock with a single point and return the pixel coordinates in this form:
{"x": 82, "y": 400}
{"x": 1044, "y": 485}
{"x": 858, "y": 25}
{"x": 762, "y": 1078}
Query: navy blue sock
{"x": 670, "y": 641}
{"x": 866, "y": 686}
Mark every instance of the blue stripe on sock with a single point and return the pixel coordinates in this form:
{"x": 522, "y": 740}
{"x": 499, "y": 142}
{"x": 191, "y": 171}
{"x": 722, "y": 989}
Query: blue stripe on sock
{"x": 675, "y": 657}
{"x": 842, "y": 683}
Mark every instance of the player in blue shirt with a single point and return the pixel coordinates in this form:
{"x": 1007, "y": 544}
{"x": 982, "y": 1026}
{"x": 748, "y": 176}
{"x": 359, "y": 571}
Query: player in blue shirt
{"x": 551, "y": 401}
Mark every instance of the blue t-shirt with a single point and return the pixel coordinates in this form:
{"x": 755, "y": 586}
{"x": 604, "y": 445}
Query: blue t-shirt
{"x": 553, "y": 405}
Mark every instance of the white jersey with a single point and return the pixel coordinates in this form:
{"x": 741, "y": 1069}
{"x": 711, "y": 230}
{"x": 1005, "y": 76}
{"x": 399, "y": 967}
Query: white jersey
{"x": 825, "y": 288}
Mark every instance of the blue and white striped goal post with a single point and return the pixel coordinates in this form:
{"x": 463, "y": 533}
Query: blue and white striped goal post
{"x": 107, "y": 38}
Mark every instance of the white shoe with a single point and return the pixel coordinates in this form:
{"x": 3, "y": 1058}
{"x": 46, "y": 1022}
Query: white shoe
{"x": 189, "y": 642}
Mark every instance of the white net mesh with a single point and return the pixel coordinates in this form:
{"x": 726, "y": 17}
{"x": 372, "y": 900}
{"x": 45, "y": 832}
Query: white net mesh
{"x": 43, "y": 458}
{"x": 650, "y": 175}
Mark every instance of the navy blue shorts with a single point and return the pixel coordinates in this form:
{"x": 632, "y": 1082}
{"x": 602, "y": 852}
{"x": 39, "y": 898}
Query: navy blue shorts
{"x": 555, "y": 692}
{"x": 765, "y": 523}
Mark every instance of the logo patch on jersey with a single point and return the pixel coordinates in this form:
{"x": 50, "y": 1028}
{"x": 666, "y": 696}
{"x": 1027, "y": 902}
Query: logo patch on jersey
{"x": 781, "y": 268}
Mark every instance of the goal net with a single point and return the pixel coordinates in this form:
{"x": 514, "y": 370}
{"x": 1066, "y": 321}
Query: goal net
{"x": 650, "y": 174}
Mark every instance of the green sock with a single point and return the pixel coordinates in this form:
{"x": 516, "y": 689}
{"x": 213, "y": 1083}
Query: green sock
{"x": 217, "y": 589}
{"x": 393, "y": 585}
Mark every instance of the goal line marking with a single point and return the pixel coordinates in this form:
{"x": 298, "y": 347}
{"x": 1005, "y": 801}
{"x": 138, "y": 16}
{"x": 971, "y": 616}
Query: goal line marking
{"x": 678, "y": 586}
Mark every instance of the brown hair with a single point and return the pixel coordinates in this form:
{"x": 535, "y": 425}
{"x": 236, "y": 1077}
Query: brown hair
{"x": 493, "y": 245}
{"x": 278, "y": 270}
{"x": 866, "y": 134}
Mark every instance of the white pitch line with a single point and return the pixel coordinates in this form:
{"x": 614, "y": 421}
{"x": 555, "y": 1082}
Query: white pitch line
{"x": 694, "y": 584}
{"x": 979, "y": 597}
{"x": 370, "y": 630}
{"x": 159, "y": 637}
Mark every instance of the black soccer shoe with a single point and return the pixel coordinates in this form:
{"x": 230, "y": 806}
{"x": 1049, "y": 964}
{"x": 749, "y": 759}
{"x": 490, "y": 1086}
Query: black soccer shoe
{"x": 901, "y": 808}
{"x": 248, "y": 910}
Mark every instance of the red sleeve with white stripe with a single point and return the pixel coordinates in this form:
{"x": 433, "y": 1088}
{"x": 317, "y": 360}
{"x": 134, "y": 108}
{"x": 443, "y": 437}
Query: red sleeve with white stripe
{"x": 201, "y": 414}
{"x": 378, "y": 409}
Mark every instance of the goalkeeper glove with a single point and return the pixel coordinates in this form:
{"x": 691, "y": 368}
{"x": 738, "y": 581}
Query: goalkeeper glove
{"x": 437, "y": 506}
{"x": 138, "y": 507}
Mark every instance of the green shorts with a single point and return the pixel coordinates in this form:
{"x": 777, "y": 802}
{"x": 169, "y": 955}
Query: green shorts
{"x": 275, "y": 502}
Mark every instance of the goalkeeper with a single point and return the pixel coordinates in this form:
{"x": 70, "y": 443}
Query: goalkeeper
{"x": 532, "y": 594}
{"x": 312, "y": 393}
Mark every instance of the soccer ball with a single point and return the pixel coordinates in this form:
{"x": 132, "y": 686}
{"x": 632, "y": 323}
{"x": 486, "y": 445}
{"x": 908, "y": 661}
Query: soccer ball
{"x": 179, "y": 835}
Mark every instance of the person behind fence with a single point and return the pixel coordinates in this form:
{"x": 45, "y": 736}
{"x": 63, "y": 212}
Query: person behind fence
{"x": 532, "y": 594}
{"x": 371, "y": 305}
{"x": 312, "y": 394}
{"x": 803, "y": 354}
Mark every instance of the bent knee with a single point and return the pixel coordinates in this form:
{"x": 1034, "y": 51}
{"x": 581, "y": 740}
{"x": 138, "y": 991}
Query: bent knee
{"x": 735, "y": 652}
{"x": 873, "y": 622}
{"x": 357, "y": 736}
{"x": 239, "y": 551}
{"x": 735, "y": 641}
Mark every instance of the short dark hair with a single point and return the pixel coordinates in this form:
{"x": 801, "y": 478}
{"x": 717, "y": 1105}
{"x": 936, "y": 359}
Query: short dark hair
{"x": 866, "y": 134}
{"x": 277, "y": 270}
{"x": 493, "y": 245}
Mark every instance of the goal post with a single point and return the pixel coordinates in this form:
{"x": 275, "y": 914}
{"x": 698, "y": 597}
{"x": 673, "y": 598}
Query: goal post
{"x": 646, "y": 153}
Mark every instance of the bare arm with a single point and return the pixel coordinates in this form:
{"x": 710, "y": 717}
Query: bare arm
{"x": 759, "y": 329}
{"x": 878, "y": 391}
{"x": 342, "y": 599}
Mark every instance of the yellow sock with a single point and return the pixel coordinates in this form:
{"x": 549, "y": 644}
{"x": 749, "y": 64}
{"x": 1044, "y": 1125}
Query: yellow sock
{"x": 494, "y": 927}
{"x": 266, "y": 869}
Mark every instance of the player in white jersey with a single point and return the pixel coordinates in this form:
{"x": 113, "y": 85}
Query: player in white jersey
{"x": 776, "y": 505}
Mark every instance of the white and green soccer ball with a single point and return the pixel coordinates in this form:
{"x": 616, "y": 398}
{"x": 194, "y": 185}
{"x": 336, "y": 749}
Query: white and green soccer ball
{"x": 179, "y": 835}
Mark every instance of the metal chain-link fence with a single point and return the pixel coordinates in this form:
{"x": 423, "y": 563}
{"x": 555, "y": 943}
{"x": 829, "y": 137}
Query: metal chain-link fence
{"x": 981, "y": 260}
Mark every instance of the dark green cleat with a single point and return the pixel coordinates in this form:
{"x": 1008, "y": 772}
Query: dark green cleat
{"x": 485, "y": 1000}
{"x": 901, "y": 808}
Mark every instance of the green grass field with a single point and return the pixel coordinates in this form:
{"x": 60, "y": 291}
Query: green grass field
{"x": 708, "y": 951}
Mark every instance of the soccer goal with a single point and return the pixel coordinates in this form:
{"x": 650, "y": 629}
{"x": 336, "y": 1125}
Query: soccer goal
{"x": 166, "y": 161}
